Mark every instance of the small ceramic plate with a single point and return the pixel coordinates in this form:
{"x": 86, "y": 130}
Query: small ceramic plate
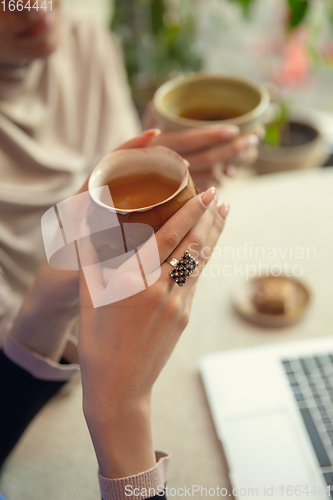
{"x": 244, "y": 296}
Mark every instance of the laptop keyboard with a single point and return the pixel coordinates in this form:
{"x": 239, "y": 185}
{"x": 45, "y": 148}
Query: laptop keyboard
{"x": 311, "y": 380}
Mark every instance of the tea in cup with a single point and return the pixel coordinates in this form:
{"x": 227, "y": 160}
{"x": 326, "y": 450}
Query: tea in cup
{"x": 138, "y": 190}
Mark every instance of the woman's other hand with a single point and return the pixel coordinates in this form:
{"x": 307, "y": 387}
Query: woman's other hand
{"x": 212, "y": 151}
{"x": 53, "y": 301}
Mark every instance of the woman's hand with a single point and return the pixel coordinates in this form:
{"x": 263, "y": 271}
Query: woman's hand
{"x": 47, "y": 311}
{"x": 211, "y": 151}
{"x": 53, "y": 301}
{"x": 124, "y": 346}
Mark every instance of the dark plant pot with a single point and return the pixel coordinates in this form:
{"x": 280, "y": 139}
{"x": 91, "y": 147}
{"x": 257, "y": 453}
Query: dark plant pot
{"x": 303, "y": 146}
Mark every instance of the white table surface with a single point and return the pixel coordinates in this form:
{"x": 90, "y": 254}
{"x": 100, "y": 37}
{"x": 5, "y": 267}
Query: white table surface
{"x": 284, "y": 211}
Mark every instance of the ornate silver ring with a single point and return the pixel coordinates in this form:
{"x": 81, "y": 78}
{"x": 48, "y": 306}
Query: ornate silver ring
{"x": 182, "y": 268}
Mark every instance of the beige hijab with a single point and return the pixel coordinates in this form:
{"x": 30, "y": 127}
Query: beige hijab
{"x": 58, "y": 116}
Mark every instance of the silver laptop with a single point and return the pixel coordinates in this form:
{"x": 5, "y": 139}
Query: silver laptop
{"x": 273, "y": 412}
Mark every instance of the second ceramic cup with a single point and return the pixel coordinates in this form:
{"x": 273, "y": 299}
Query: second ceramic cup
{"x": 200, "y": 99}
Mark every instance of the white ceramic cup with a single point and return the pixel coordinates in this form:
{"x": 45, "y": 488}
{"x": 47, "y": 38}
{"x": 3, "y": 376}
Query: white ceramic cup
{"x": 196, "y": 91}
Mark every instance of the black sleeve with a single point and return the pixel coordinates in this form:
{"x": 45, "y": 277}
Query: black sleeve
{"x": 21, "y": 398}
{"x": 156, "y": 497}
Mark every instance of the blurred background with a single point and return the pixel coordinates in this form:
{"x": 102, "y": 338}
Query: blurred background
{"x": 285, "y": 44}
{"x": 256, "y": 38}
{"x": 100, "y": 10}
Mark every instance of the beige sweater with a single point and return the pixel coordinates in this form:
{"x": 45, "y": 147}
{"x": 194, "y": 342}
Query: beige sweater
{"x": 58, "y": 116}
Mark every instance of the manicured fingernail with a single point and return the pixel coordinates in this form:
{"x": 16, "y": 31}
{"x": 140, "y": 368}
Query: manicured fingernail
{"x": 208, "y": 196}
{"x": 152, "y": 132}
{"x": 253, "y": 140}
{"x": 230, "y": 131}
{"x": 224, "y": 210}
{"x": 216, "y": 198}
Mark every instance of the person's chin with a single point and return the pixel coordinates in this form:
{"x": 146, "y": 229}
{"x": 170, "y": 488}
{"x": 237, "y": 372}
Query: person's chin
{"x": 45, "y": 49}
{"x": 40, "y": 46}
{"x": 37, "y": 51}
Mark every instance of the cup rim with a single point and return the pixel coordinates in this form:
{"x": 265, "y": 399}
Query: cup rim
{"x": 187, "y": 122}
{"x": 125, "y": 211}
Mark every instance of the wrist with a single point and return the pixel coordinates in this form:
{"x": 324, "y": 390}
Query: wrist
{"x": 121, "y": 433}
{"x": 42, "y": 330}
{"x": 37, "y": 304}
{"x": 101, "y": 412}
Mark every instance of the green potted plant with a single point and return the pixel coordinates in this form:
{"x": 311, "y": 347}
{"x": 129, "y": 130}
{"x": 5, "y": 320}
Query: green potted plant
{"x": 159, "y": 41}
{"x": 158, "y": 38}
{"x": 290, "y": 144}
{"x": 294, "y": 143}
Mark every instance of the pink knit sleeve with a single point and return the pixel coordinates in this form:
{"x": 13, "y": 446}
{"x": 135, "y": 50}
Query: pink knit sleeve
{"x": 38, "y": 366}
{"x": 144, "y": 485}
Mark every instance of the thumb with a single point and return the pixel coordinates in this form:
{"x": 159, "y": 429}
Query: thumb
{"x": 141, "y": 141}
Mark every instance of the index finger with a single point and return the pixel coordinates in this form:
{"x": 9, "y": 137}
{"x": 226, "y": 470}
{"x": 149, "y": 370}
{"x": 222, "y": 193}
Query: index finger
{"x": 184, "y": 141}
{"x": 176, "y": 228}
